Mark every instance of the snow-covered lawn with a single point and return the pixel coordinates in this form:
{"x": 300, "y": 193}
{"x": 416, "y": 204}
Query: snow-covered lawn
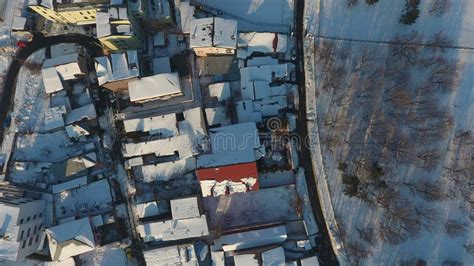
{"x": 396, "y": 129}
{"x": 380, "y": 21}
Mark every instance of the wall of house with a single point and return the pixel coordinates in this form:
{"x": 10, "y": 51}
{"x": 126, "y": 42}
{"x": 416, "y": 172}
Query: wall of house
{"x": 120, "y": 42}
{"x": 205, "y": 51}
{"x": 31, "y": 226}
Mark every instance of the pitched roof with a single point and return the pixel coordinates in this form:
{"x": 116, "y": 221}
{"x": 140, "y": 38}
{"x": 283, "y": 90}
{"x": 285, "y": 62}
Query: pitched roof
{"x": 148, "y": 88}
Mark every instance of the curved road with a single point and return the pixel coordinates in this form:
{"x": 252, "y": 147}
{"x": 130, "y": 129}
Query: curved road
{"x": 39, "y": 42}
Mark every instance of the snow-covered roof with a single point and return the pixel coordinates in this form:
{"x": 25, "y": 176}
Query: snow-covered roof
{"x": 247, "y": 260}
{"x": 165, "y": 171}
{"x": 9, "y": 244}
{"x": 165, "y": 125}
{"x": 246, "y": 112}
{"x": 161, "y": 147}
{"x": 159, "y": 39}
{"x": 220, "y": 90}
{"x": 193, "y": 124}
{"x": 161, "y": 65}
{"x": 264, "y": 42}
{"x": 18, "y": 23}
{"x": 217, "y": 116}
{"x": 102, "y": 21}
{"x": 310, "y": 261}
{"x": 186, "y": 12}
{"x": 263, "y": 73}
{"x": 261, "y": 61}
{"x": 53, "y": 118}
{"x": 172, "y": 255}
{"x": 85, "y": 112}
{"x": 184, "y": 208}
{"x": 274, "y": 256}
{"x": 76, "y": 132}
{"x": 70, "y": 239}
{"x": 174, "y": 229}
{"x": 225, "y": 158}
{"x": 252, "y": 239}
{"x": 74, "y": 183}
{"x": 67, "y": 65}
{"x": 152, "y": 208}
{"x": 256, "y": 90}
{"x": 236, "y": 137}
{"x": 133, "y": 162}
{"x": 153, "y": 87}
{"x": 119, "y": 66}
{"x": 213, "y": 32}
{"x": 51, "y": 80}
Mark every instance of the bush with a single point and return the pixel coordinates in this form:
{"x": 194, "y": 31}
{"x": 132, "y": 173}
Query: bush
{"x": 410, "y": 16}
{"x": 351, "y": 183}
{"x": 371, "y": 2}
{"x": 342, "y": 166}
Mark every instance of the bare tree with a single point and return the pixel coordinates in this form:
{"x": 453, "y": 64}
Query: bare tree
{"x": 446, "y": 76}
{"x": 430, "y": 158}
{"x": 351, "y": 3}
{"x": 451, "y": 262}
{"x": 429, "y": 216}
{"x": 440, "y": 42}
{"x": 407, "y": 47}
{"x": 440, "y": 7}
{"x": 368, "y": 234}
{"x": 454, "y": 228}
{"x": 391, "y": 234}
{"x": 357, "y": 251}
{"x": 428, "y": 190}
{"x": 414, "y": 262}
{"x": 387, "y": 197}
{"x": 400, "y": 98}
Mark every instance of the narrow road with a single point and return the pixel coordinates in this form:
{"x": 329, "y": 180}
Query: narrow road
{"x": 39, "y": 42}
{"x": 325, "y": 250}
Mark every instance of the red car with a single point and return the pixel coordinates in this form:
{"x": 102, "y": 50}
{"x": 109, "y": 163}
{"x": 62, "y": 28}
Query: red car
{"x": 21, "y": 44}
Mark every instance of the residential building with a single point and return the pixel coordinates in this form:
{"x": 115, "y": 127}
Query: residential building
{"x": 172, "y": 255}
{"x": 68, "y": 67}
{"x": 251, "y": 239}
{"x": 213, "y": 36}
{"x": 22, "y": 218}
{"x": 70, "y": 239}
{"x": 172, "y": 230}
{"x": 115, "y": 70}
{"x": 117, "y": 31}
{"x": 157, "y": 87}
{"x": 81, "y": 16}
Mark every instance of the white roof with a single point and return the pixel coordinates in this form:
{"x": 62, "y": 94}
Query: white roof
{"x": 263, "y": 73}
{"x": 220, "y": 90}
{"x": 53, "y": 118}
{"x": 161, "y": 147}
{"x": 61, "y": 60}
{"x": 166, "y": 171}
{"x": 174, "y": 229}
{"x": 149, "y": 209}
{"x": 213, "y": 32}
{"x": 133, "y": 162}
{"x": 76, "y": 132}
{"x": 256, "y": 90}
{"x": 67, "y": 65}
{"x": 310, "y": 261}
{"x": 265, "y": 42}
{"x": 173, "y": 255}
{"x": 225, "y": 158}
{"x": 246, "y": 260}
{"x": 186, "y": 12}
{"x": 161, "y": 65}
{"x": 76, "y": 182}
{"x": 18, "y": 23}
{"x": 79, "y": 231}
{"x": 193, "y": 124}
{"x": 184, "y": 208}
{"x": 261, "y": 61}
{"x": 246, "y": 112}
{"x": 236, "y": 137}
{"x": 165, "y": 125}
{"x": 102, "y": 20}
{"x": 252, "y": 239}
{"x": 217, "y": 115}
{"x": 148, "y": 88}
{"x": 274, "y": 256}
{"x": 51, "y": 80}
{"x": 225, "y": 33}
{"x": 120, "y": 66}
{"x": 85, "y": 112}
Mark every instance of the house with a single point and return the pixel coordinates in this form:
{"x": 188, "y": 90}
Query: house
{"x": 172, "y": 230}
{"x": 261, "y": 42}
{"x": 161, "y": 65}
{"x": 70, "y": 239}
{"x": 161, "y": 86}
{"x": 218, "y": 116}
{"x": 73, "y": 165}
{"x": 51, "y": 80}
{"x": 83, "y": 113}
{"x": 116, "y": 31}
{"x": 150, "y": 209}
{"x": 220, "y": 90}
{"x": 68, "y": 67}
{"x": 22, "y": 218}
{"x": 185, "y": 208}
{"x": 116, "y": 70}
{"x": 54, "y": 118}
{"x": 165, "y": 126}
{"x": 231, "y": 166}
{"x": 213, "y": 36}
{"x": 173, "y": 255}
{"x": 186, "y": 13}
{"x": 251, "y": 239}
{"x": 76, "y": 16}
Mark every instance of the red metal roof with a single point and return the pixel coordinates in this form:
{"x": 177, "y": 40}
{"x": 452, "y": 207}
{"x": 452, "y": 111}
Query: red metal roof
{"x": 231, "y": 173}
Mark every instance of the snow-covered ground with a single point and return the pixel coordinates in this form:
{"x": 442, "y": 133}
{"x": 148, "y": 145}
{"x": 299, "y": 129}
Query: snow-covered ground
{"x": 399, "y": 119}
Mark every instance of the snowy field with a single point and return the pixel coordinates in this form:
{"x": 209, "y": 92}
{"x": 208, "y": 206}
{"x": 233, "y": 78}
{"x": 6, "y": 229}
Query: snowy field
{"x": 379, "y": 22}
{"x": 395, "y": 127}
